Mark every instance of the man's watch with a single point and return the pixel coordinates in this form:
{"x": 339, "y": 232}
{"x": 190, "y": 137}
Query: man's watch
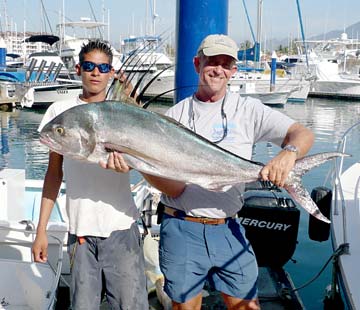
{"x": 291, "y": 148}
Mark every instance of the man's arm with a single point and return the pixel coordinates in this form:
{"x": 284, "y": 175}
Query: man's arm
{"x": 52, "y": 183}
{"x": 278, "y": 168}
{"x": 169, "y": 187}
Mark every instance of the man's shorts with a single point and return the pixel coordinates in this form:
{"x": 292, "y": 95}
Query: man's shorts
{"x": 191, "y": 253}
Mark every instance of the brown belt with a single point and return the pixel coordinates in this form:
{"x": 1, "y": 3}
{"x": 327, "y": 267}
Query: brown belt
{"x": 202, "y": 220}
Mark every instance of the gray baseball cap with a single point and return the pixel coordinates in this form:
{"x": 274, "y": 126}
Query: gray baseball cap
{"x": 219, "y": 44}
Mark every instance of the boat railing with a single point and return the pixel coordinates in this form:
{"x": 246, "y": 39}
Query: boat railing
{"x": 356, "y": 199}
{"x": 51, "y": 294}
{"x": 338, "y": 189}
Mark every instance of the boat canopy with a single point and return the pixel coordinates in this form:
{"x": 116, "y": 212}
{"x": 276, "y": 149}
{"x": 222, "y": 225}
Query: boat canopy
{"x": 13, "y": 55}
{"x": 45, "y": 38}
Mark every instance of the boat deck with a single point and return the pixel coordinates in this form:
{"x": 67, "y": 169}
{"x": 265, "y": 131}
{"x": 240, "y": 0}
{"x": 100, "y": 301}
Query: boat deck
{"x": 274, "y": 294}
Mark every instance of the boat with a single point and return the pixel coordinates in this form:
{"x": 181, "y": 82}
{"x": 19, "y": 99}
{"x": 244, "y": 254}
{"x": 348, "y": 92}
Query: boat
{"x": 287, "y": 80}
{"x": 28, "y": 285}
{"x": 330, "y": 83}
{"x": 19, "y": 215}
{"x": 333, "y": 64}
{"x": 253, "y": 75}
{"x": 146, "y": 64}
{"x": 265, "y": 207}
{"x": 345, "y": 224}
{"x": 37, "y": 85}
{"x": 70, "y": 46}
{"x": 250, "y": 89}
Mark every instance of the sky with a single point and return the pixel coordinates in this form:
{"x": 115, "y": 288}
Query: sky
{"x": 128, "y": 17}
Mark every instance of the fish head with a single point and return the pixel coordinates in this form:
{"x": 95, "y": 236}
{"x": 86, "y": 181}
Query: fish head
{"x": 71, "y": 134}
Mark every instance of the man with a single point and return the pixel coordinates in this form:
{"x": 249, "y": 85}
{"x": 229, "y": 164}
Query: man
{"x": 192, "y": 251}
{"x": 105, "y": 245}
{"x": 200, "y": 238}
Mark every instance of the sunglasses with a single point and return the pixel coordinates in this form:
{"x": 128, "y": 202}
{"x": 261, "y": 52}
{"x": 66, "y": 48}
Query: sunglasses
{"x": 89, "y": 66}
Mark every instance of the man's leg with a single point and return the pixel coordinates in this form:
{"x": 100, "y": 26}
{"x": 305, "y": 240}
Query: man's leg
{"x": 192, "y": 304}
{"x": 234, "y": 303}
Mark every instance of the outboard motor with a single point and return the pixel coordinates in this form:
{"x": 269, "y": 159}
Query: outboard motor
{"x": 319, "y": 230}
{"x": 271, "y": 220}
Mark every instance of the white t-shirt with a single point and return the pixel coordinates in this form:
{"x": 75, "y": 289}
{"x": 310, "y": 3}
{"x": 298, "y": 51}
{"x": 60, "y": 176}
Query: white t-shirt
{"x": 98, "y": 201}
{"x": 248, "y": 122}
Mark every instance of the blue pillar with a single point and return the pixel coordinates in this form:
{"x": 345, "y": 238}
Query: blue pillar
{"x": 195, "y": 19}
{"x": 2, "y": 54}
{"x": 273, "y": 71}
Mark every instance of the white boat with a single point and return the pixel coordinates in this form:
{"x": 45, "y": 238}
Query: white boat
{"x": 19, "y": 215}
{"x": 17, "y": 236}
{"x": 70, "y": 45}
{"x": 297, "y": 85}
{"x": 330, "y": 82}
{"x": 28, "y": 285}
{"x": 271, "y": 98}
{"x": 345, "y": 225}
{"x": 147, "y": 65}
{"x": 37, "y": 84}
{"x": 43, "y": 94}
{"x": 334, "y": 65}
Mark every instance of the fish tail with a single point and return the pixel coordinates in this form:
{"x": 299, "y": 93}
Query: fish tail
{"x": 303, "y": 198}
{"x": 309, "y": 162}
{"x": 297, "y": 190}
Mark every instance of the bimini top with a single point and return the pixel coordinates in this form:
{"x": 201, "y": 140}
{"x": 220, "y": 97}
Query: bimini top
{"x": 45, "y": 38}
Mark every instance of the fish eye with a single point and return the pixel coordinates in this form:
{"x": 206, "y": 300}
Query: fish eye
{"x": 60, "y": 130}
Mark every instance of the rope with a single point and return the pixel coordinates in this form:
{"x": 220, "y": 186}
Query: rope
{"x": 285, "y": 293}
{"x": 343, "y": 248}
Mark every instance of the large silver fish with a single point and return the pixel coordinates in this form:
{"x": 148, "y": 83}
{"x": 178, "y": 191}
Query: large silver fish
{"x": 157, "y": 145}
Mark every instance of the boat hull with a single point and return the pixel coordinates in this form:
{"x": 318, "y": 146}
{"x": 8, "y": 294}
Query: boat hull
{"x": 345, "y": 228}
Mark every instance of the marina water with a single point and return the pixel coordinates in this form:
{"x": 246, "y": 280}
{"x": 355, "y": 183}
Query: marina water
{"x": 329, "y": 119}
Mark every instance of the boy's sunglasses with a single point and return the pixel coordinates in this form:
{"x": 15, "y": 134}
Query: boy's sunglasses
{"x": 89, "y": 66}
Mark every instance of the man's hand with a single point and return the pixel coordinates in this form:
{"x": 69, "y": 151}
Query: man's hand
{"x": 278, "y": 169}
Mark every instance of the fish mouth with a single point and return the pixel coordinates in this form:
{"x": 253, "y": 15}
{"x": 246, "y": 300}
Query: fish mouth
{"x": 50, "y": 143}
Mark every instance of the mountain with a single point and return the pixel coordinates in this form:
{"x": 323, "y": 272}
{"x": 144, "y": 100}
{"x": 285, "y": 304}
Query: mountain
{"x": 353, "y": 32}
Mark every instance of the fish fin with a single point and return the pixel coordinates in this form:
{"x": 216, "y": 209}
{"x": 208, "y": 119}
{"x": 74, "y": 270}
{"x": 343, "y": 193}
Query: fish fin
{"x": 123, "y": 149}
{"x": 306, "y": 163}
{"x": 303, "y": 198}
{"x": 297, "y": 190}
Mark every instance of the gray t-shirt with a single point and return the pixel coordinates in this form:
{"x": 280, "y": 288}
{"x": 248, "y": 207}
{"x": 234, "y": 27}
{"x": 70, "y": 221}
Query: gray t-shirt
{"x": 248, "y": 122}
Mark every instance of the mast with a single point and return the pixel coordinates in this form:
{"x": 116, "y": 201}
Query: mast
{"x": 154, "y": 16}
{"x": 258, "y": 34}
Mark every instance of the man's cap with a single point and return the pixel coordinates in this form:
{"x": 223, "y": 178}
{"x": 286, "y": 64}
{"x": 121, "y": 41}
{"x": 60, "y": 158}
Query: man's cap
{"x": 219, "y": 44}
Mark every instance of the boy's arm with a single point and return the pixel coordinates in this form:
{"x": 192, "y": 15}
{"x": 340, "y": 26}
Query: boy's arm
{"x": 52, "y": 183}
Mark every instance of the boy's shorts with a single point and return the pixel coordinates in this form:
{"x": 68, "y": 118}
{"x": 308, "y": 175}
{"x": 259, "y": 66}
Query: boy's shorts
{"x": 114, "y": 264}
{"x": 191, "y": 253}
